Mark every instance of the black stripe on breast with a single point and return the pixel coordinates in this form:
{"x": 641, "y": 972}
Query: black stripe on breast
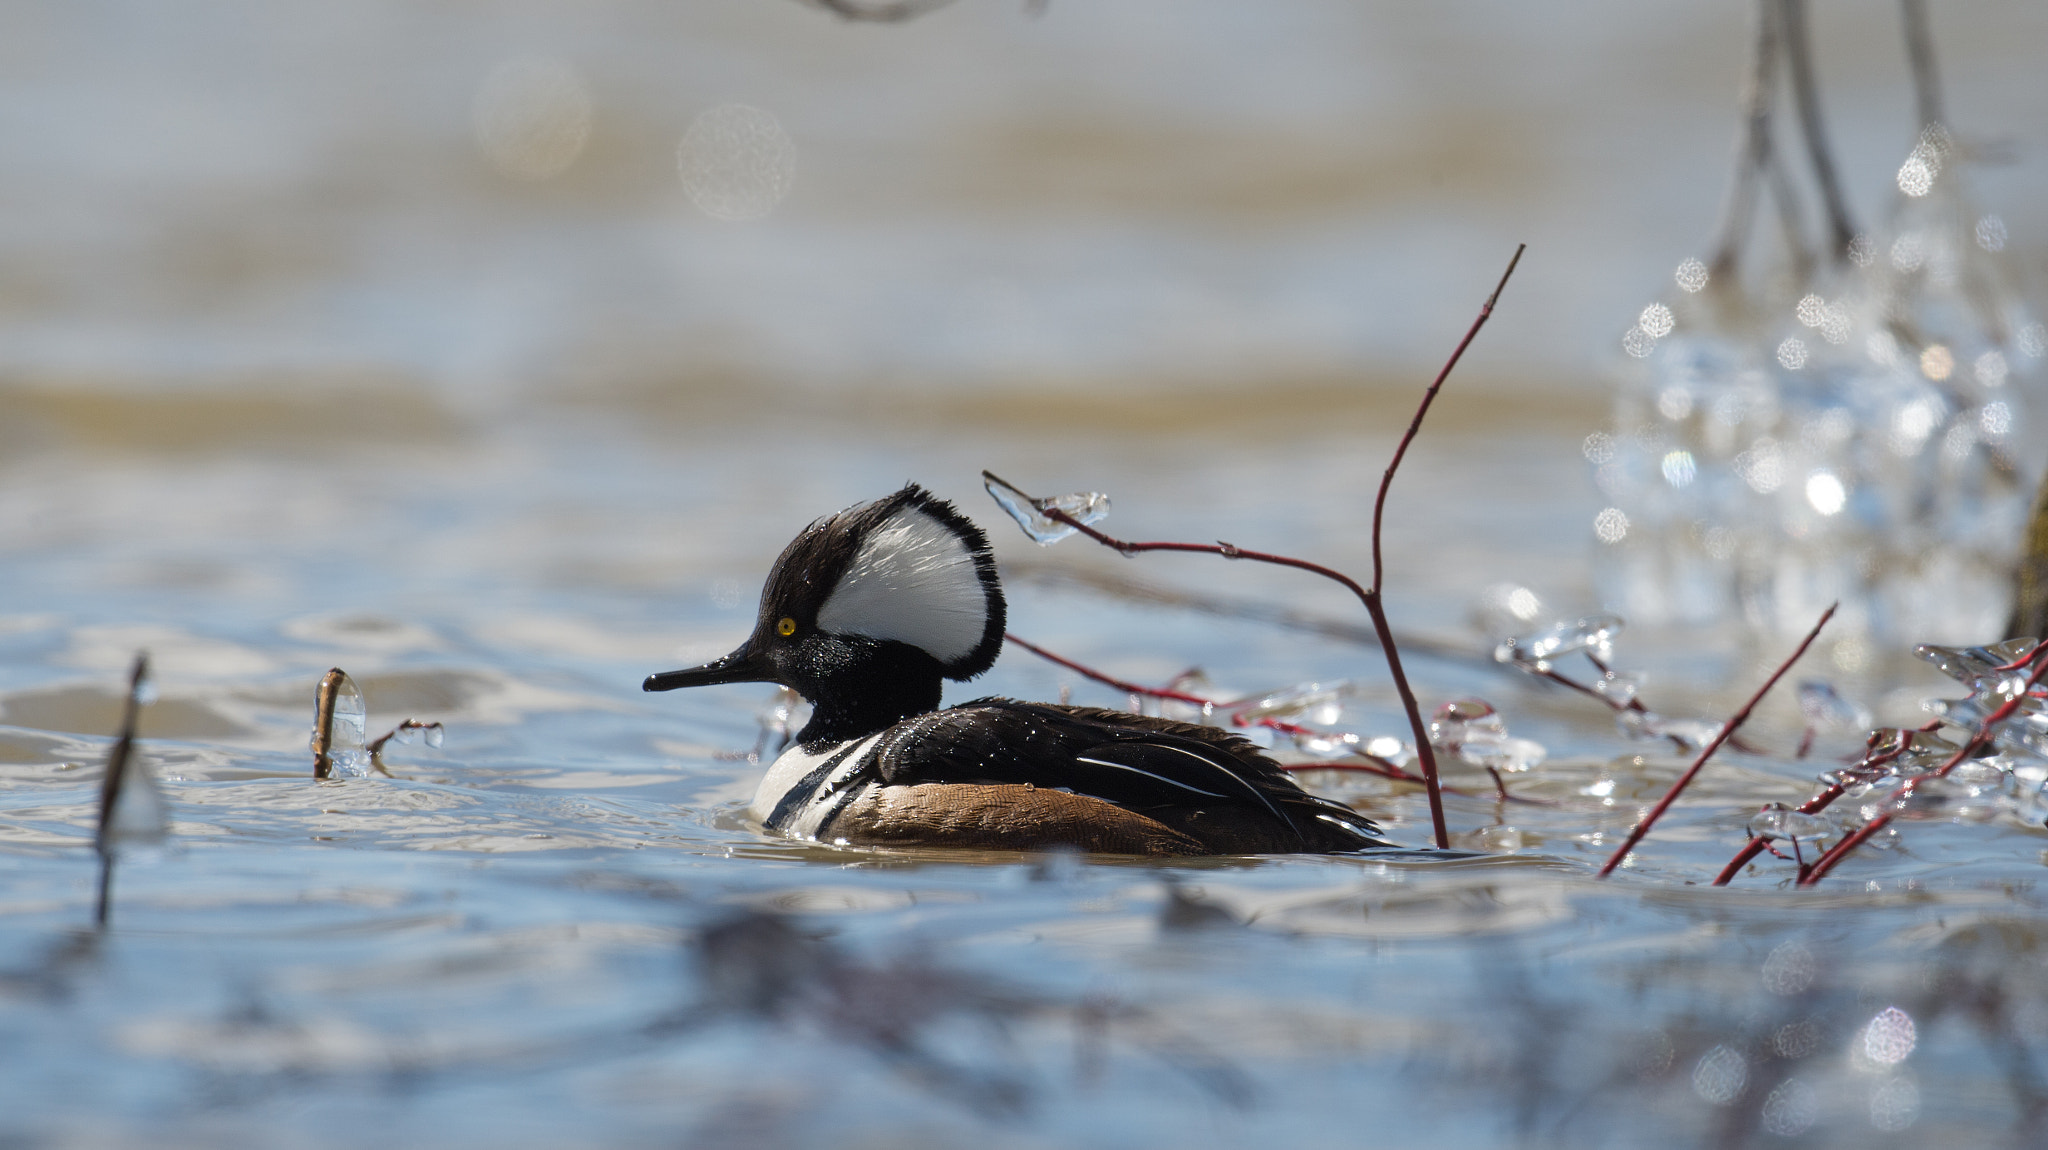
{"x": 794, "y": 798}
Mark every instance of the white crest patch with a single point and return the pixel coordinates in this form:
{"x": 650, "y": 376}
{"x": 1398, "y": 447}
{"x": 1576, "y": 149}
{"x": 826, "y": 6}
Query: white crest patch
{"x": 914, "y": 581}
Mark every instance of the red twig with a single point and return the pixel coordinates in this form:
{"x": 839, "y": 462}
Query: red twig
{"x": 1423, "y": 753}
{"x": 1873, "y": 758}
{"x": 1979, "y": 739}
{"x": 1707, "y": 752}
{"x": 1123, "y": 685}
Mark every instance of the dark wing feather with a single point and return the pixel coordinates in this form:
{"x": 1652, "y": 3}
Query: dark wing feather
{"x": 1136, "y": 762}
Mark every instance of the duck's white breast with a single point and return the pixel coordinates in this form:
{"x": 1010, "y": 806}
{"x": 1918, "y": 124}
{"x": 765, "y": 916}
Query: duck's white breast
{"x": 803, "y": 787}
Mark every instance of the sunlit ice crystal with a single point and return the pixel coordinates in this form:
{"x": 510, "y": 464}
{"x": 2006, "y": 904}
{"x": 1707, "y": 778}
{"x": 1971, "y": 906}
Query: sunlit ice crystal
{"x": 1780, "y": 822}
{"x": 1593, "y": 634}
{"x": 1619, "y": 687}
{"x": 1463, "y": 720}
{"x": 351, "y": 719}
{"x": 350, "y": 764}
{"x": 1651, "y": 725}
{"x": 1947, "y": 797}
{"x": 786, "y": 712}
{"x": 1318, "y": 703}
{"x": 1980, "y": 774}
{"x": 1973, "y": 666}
{"x": 410, "y": 732}
{"x": 1828, "y": 709}
{"x": 1473, "y": 730}
{"x": 1509, "y": 755}
{"x": 1326, "y": 744}
{"x": 1390, "y": 749}
{"x": 347, "y": 738}
{"x": 1875, "y": 467}
{"x": 1030, "y": 512}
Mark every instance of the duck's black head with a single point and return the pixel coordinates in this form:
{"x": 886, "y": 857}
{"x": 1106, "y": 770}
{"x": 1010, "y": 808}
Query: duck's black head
{"x": 865, "y": 612}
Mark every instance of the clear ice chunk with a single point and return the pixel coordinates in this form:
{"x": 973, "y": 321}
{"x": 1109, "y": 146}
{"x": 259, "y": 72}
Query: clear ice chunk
{"x": 1472, "y": 730}
{"x": 1326, "y": 744}
{"x": 1619, "y": 687}
{"x": 1979, "y": 774}
{"x": 1827, "y": 709}
{"x": 1778, "y": 821}
{"x": 1087, "y": 507}
{"x": 1510, "y": 756}
{"x": 1319, "y": 703}
{"x": 1390, "y": 749}
{"x": 138, "y": 816}
{"x": 413, "y": 731}
{"x": 1693, "y": 733}
{"x": 1464, "y": 720}
{"x": 1593, "y": 634}
{"x": 347, "y": 739}
{"x": 785, "y": 715}
{"x": 1975, "y": 667}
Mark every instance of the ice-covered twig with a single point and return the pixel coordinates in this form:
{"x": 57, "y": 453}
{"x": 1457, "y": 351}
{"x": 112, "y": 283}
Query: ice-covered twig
{"x": 1979, "y": 739}
{"x": 1707, "y": 752}
{"x": 323, "y": 721}
{"x": 1875, "y": 757}
{"x": 405, "y": 733}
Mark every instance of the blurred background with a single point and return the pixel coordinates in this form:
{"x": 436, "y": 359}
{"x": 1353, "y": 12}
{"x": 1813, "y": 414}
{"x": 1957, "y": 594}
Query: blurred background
{"x": 492, "y": 351}
{"x": 490, "y": 254}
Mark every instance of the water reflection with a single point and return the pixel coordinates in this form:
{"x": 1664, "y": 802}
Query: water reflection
{"x": 533, "y": 116}
{"x": 736, "y": 162}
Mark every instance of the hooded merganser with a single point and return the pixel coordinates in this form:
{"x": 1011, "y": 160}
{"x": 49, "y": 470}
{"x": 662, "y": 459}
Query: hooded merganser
{"x": 867, "y": 610}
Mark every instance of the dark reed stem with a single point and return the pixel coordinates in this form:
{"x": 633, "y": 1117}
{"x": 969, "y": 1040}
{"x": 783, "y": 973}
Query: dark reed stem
{"x": 1707, "y": 752}
{"x": 1753, "y": 149}
{"x": 110, "y": 786}
{"x": 323, "y": 722}
{"x": 1920, "y": 56}
{"x": 1806, "y": 97}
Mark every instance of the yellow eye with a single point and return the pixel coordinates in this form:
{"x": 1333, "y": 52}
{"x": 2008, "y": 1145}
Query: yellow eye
{"x": 786, "y": 628}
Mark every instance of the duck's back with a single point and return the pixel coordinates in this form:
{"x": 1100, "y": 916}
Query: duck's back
{"x": 1000, "y": 774}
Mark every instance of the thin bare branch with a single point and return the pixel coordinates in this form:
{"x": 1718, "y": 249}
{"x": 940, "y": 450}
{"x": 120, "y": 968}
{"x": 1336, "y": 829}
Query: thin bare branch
{"x": 885, "y": 12}
{"x": 1707, "y": 752}
{"x": 1920, "y": 55}
{"x": 110, "y": 786}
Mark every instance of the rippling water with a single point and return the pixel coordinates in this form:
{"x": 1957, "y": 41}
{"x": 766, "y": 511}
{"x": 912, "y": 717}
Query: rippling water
{"x": 425, "y": 343}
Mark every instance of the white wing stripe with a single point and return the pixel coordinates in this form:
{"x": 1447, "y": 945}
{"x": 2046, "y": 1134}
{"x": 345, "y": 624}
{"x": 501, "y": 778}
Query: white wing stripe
{"x": 1212, "y": 763}
{"x": 1150, "y": 775}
